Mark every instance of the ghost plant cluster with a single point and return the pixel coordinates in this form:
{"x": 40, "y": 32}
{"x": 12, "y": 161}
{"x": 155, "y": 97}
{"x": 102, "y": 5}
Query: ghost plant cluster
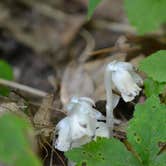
{"x": 84, "y": 123}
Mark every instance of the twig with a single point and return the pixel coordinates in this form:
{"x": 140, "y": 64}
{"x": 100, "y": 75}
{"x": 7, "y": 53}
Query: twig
{"x": 115, "y": 26}
{"x": 112, "y": 49}
{"x": 24, "y": 88}
{"x": 33, "y": 104}
{"x": 45, "y": 141}
{"x": 90, "y": 45}
{"x": 52, "y": 149}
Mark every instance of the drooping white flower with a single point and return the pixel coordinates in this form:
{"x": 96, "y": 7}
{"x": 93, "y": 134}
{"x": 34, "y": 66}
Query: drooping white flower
{"x": 122, "y": 76}
{"x": 79, "y": 126}
{"x": 125, "y": 79}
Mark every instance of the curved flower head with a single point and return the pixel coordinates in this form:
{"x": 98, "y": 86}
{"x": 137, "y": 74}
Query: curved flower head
{"x": 78, "y": 125}
{"x": 125, "y": 79}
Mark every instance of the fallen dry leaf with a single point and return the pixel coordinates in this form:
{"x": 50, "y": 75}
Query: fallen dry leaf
{"x": 76, "y": 81}
{"x": 43, "y": 115}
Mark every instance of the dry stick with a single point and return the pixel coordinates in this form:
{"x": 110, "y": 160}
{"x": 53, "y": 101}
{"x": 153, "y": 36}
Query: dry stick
{"x": 45, "y": 141}
{"x": 34, "y": 104}
{"x": 112, "y": 49}
{"x": 115, "y": 26}
{"x": 43, "y": 146}
{"x": 90, "y": 45}
{"x": 52, "y": 152}
{"x": 23, "y": 88}
{"x": 52, "y": 149}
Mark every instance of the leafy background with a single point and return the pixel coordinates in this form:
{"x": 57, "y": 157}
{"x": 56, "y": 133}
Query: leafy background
{"x": 145, "y": 16}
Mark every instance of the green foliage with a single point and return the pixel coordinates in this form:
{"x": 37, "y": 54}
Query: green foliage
{"x": 146, "y": 15}
{"x": 155, "y": 66}
{"x": 102, "y": 152}
{"x": 146, "y": 129}
{"x": 15, "y": 147}
{"x": 6, "y": 72}
{"x": 92, "y": 6}
{"x": 153, "y": 87}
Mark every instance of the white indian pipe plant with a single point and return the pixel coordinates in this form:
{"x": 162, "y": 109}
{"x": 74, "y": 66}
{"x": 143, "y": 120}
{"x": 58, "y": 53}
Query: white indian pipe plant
{"x": 120, "y": 76}
{"x": 80, "y": 126}
{"x": 83, "y": 123}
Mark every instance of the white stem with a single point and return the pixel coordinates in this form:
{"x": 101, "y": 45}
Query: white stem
{"x": 109, "y": 99}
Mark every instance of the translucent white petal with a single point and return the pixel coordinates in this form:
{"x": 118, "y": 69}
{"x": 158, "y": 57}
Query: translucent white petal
{"x": 82, "y": 124}
{"x": 99, "y": 115}
{"x": 87, "y": 100}
{"x": 115, "y": 101}
{"x": 102, "y": 130}
{"x": 138, "y": 80}
{"x": 63, "y": 140}
{"x": 116, "y": 65}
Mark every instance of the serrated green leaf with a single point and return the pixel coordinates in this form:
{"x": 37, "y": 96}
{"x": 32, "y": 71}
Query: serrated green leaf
{"x": 92, "y": 6}
{"x": 146, "y": 15}
{"x": 153, "y": 87}
{"x": 146, "y": 129}
{"x": 103, "y": 152}
{"x": 15, "y": 148}
{"x": 155, "y": 66}
{"x": 6, "y": 72}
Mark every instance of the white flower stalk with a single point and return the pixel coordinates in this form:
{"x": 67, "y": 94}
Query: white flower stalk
{"x": 112, "y": 100}
{"x": 120, "y": 75}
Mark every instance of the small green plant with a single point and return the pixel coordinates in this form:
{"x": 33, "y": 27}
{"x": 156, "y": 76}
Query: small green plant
{"x": 15, "y": 146}
{"x": 144, "y": 132}
{"x": 152, "y": 87}
{"x": 154, "y": 66}
{"x": 144, "y": 15}
{"x": 6, "y": 72}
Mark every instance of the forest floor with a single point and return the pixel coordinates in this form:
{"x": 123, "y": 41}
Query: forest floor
{"x": 53, "y": 48}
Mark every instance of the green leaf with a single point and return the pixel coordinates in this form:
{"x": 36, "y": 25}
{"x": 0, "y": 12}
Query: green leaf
{"x": 146, "y": 15}
{"x": 103, "y": 152}
{"x": 92, "y": 6}
{"x": 155, "y": 66}
{"x": 15, "y": 147}
{"x": 6, "y": 72}
{"x": 153, "y": 87}
{"x": 146, "y": 129}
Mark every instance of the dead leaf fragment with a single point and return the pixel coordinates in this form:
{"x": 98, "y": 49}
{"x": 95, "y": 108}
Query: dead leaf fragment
{"x": 42, "y": 117}
{"x": 76, "y": 82}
